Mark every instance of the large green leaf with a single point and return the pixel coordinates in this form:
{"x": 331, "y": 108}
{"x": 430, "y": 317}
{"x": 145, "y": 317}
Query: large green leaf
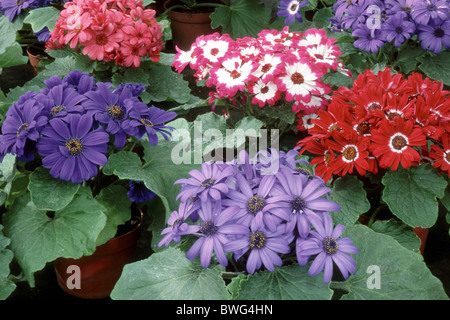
{"x": 117, "y": 204}
{"x": 349, "y": 193}
{"x": 12, "y": 56}
{"x": 48, "y": 193}
{"x": 158, "y": 173}
{"x": 6, "y": 256}
{"x": 243, "y": 18}
{"x": 411, "y": 194}
{"x": 437, "y": 67}
{"x": 8, "y": 30}
{"x": 401, "y": 232}
{"x": 169, "y": 275}
{"x": 37, "y": 238}
{"x": 42, "y": 17}
{"x": 403, "y": 275}
{"x": 165, "y": 84}
{"x": 285, "y": 283}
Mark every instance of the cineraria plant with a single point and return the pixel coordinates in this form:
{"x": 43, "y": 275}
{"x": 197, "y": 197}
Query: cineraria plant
{"x": 120, "y": 31}
{"x": 56, "y": 145}
{"x": 392, "y": 129}
{"x": 263, "y": 220}
{"x": 278, "y": 71}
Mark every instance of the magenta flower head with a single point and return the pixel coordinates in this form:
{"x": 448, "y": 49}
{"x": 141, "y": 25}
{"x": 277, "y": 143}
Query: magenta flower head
{"x": 325, "y": 242}
{"x": 71, "y": 149}
{"x": 209, "y": 183}
{"x": 216, "y": 226}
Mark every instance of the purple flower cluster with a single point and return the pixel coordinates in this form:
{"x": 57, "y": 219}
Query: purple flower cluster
{"x": 70, "y": 121}
{"x": 260, "y": 215}
{"x": 376, "y": 22}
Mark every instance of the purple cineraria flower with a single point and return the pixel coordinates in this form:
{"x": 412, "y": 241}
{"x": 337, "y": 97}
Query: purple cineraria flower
{"x": 60, "y": 101}
{"x": 403, "y": 7}
{"x": 13, "y": 8}
{"x": 257, "y": 205}
{"x": 205, "y": 184}
{"x": 217, "y": 224}
{"x": 325, "y": 243}
{"x": 340, "y": 6}
{"x": 138, "y": 192}
{"x": 177, "y": 225}
{"x": 398, "y": 29}
{"x": 433, "y": 36}
{"x": 80, "y": 81}
{"x": 110, "y": 110}
{"x": 71, "y": 149}
{"x": 306, "y": 198}
{"x": 264, "y": 245}
{"x": 430, "y": 10}
{"x": 369, "y": 39}
{"x": 291, "y": 10}
{"x": 355, "y": 16}
{"x": 23, "y": 123}
{"x": 143, "y": 119}
{"x": 136, "y": 89}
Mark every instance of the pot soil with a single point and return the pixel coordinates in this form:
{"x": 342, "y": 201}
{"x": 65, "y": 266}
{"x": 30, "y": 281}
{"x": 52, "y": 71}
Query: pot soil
{"x": 99, "y": 272}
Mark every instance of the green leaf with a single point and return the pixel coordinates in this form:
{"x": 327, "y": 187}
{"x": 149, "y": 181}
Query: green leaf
{"x": 403, "y": 275}
{"x": 48, "y": 193}
{"x": 12, "y": 56}
{"x": 401, "y": 232}
{"x": 349, "y": 193}
{"x": 40, "y": 18}
{"x": 242, "y": 18}
{"x": 437, "y": 67}
{"x": 6, "y": 256}
{"x": 407, "y": 59}
{"x": 37, "y": 238}
{"x": 337, "y": 79}
{"x": 169, "y": 275}
{"x": 117, "y": 204}
{"x": 285, "y": 283}
{"x": 158, "y": 174}
{"x": 411, "y": 194}
{"x": 165, "y": 84}
{"x": 8, "y": 30}
{"x": 321, "y": 18}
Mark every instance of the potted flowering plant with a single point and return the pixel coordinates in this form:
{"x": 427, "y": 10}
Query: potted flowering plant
{"x": 390, "y": 133}
{"x": 60, "y": 196}
{"x": 273, "y": 77}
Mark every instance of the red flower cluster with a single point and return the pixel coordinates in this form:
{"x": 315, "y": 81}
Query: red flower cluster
{"x": 383, "y": 121}
{"x": 107, "y": 30}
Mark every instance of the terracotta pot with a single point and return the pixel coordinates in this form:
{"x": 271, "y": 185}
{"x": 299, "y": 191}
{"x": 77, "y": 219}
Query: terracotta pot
{"x": 420, "y": 232}
{"x": 99, "y": 272}
{"x": 35, "y": 58}
{"x": 187, "y": 26}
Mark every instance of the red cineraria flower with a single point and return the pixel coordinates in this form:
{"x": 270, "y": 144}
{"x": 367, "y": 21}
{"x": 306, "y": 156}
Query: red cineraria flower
{"x": 393, "y": 143}
{"x": 353, "y": 153}
{"x": 442, "y": 155}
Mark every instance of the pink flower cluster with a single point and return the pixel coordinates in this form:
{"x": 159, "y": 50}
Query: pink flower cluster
{"x": 108, "y": 30}
{"x": 274, "y": 68}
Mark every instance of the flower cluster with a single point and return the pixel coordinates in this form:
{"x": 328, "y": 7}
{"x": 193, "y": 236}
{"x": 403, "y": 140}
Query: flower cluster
{"x": 290, "y": 9}
{"x": 383, "y": 121}
{"x": 109, "y": 30}
{"x": 70, "y": 121}
{"x": 275, "y": 67}
{"x": 377, "y": 22}
{"x": 259, "y": 215}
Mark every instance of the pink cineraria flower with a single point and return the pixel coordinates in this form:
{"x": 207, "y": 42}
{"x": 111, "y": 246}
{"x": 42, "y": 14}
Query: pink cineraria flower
{"x": 102, "y": 42}
{"x": 270, "y": 65}
{"x": 215, "y": 48}
{"x": 264, "y": 93}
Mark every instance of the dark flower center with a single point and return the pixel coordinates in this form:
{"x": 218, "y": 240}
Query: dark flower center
{"x": 363, "y": 128}
{"x": 330, "y": 245}
{"x": 264, "y": 89}
{"x": 19, "y": 2}
{"x": 399, "y": 142}
{"x": 399, "y": 29}
{"x": 304, "y": 171}
{"x": 319, "y": 56}
{"x": 75, "y": 146}
{"x": 447, "y": 156}
{"x": 207, "y": 183}
{"x": 297, "y": 78}
{"x": 115, "y": 112}
{"x": 255, "y": 204}
{"x": 407, "y": 9}
{"x": 147, "y": 122}
{"x": 373, "y": 106}
{"x": 234, "y": 74}
{"x": 23, "y": 126}
{"x": 57, "y": 109}
{"x": 298, "y": 204}
{"x": 293, "y": 7}
{"x": 214, "y": 51}
{"x": 350, "y": 153}
{"x": 439, "y": 33}
{"x": 208, "y": 229}
{"x": 265, "y": 68}
{"x": 257, "y": 240}
{"x": 431, "y": 7}
{"x": 101, "y": 39}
